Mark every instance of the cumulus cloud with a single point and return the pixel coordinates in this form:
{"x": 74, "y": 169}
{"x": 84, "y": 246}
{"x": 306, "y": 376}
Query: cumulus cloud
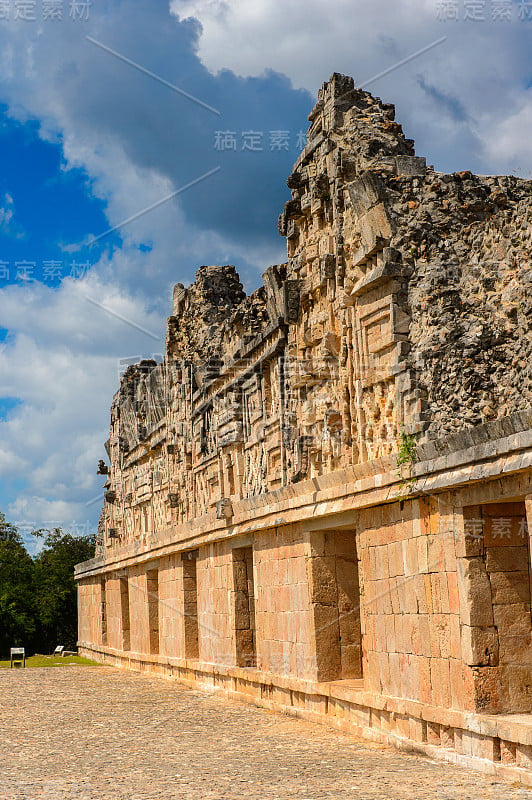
{"x": 36, "y": 511}
{"x": 509, "y": 148}
{"x": 62, "y": 360}
{"x": 11, "y": 463}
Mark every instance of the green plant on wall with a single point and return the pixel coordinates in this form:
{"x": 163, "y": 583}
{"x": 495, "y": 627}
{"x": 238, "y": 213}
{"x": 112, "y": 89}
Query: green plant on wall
{"x": 406, "y": 458}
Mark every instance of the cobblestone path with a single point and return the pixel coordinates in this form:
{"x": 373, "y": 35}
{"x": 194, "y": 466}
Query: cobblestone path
{"x": 96, "y": 733}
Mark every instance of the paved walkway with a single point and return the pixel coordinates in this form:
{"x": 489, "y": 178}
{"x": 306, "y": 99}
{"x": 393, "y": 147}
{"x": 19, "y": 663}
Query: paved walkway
{"x": 96, "y": 733}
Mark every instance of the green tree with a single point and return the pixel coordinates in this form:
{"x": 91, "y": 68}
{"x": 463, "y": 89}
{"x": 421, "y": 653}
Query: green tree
{"x": 17, "y": 608}
{"x": 55, "y": 589}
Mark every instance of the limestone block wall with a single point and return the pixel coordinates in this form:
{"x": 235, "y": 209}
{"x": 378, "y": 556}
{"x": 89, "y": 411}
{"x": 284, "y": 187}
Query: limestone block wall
{"x": 285, "y": 626}
{"x": 494, "y": 570}
{"x": 426, "y": 599}
{"x": 171, "y": 607}
{"x": 113, "y": 612}
{"x": 410, "y": 611}
{"x": 89, "y": 610}
{"x": 139, "y": 610}
{"x": 216, "y": 604}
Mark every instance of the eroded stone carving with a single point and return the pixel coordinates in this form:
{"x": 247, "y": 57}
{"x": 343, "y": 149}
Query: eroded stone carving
{"x": 404, "y": 304}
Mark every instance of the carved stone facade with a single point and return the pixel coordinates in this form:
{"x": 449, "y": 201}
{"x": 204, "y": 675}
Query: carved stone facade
{"x": 269, "y": 527}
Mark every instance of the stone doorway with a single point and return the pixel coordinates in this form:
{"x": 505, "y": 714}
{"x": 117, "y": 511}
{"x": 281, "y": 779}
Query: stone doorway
{"x": 152, "y": 589}
{"x": 335, "y": 600}
{"x": 496, "y": 606}
{"x": 190, "y": 604}
{"x": 124, "y": 613}
{"x": 244, "y": 602}
{"x": 103, "y": 612}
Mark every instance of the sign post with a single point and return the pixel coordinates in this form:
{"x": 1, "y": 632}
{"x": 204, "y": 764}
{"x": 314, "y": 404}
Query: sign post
{"x": 17, "y": 655}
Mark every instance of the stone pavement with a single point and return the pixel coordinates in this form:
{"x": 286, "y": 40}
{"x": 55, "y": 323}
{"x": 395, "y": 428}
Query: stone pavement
{"x": 96, "y": 733}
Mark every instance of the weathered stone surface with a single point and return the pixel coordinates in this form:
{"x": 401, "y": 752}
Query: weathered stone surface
{"x": 392, "y": 269}
{"x": 475, "y": 593}
{"x": 506, "y": 559}
{"x": 480, "y": 646}
{"x": 509, "y": 588}
{"x": 512, "y": 619}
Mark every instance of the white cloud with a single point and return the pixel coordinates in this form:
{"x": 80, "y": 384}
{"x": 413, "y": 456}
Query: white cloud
{"x": 11, "y": 463}
{"x": 509, "y": 147}
{"x": 35, "y": 510}
{"x": 8, "y": 224}
{"x": 63, "y": 362}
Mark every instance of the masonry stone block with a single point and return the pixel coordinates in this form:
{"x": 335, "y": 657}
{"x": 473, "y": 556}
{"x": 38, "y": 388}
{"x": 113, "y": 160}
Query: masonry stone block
{"x": 475, "y": 593}
{"x": 327, "y": 642}
{"x": 480, "y": 646}
{"x": 510, "y": 588}
{"x": 513, "y": 619}
{"x": 506, "y": 559}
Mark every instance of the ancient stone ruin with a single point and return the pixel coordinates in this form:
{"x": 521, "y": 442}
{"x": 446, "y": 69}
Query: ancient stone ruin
{"x": 318, "y": 502}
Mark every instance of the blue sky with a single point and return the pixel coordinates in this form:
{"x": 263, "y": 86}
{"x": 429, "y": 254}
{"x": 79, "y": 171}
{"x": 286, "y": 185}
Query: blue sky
{"x": 54, "y": 206}
{"x": 89, "y": 140}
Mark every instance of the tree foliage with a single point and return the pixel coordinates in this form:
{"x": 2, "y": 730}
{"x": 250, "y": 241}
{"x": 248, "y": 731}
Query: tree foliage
{"x": 38, "y": 595}
{"x": 18, "y": 624}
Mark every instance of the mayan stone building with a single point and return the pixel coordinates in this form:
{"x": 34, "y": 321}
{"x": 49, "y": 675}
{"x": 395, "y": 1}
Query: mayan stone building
{"x": 318, "y": 502}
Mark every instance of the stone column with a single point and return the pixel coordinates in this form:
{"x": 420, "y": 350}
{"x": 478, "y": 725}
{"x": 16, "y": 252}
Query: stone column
{"x": 528, "y": 507}
{"x": 480, "y": 644}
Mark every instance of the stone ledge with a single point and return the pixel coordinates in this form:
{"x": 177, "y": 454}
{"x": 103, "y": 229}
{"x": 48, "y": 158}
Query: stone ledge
{"x": 365, "y": 485}
{"x": 478, "y": 434}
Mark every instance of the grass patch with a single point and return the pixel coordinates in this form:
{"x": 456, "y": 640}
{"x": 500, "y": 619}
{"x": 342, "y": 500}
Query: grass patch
{"x": 53, "y": 661}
